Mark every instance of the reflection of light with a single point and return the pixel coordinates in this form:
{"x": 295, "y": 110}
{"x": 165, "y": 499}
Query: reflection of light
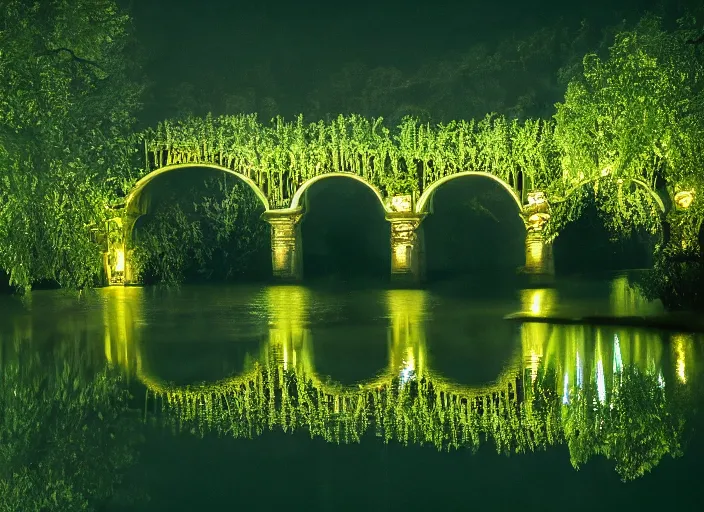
{"x": 534, "y": 363}
{"x": 539, "y": 301}
{"x": 407, "y": 332}
{"x": 119, "y": 260}
{"x": 661, "y": 380}
{"x": 600, "y": 384}
{"x": 679, "y": 346}
{"x": 618, "y": 361}
{"x": 565, "y": 392}
{"x": 579, "y": 372}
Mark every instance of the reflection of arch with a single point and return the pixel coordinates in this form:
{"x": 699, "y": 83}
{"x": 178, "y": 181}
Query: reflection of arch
{"x": 142, "y": 183}
{"x": 656, "y": 198}
{"x": 423, "y": 204}
{"x": 298, "y": 196}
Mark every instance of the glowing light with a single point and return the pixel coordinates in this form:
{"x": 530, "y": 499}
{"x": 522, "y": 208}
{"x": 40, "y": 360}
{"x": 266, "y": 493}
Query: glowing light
{"x": 600, "y": 381}
{"x": 539, "y": 301}
{"x": 579, "y": 372}
{"x": 536, "y": 198}
{"x": 402, "y": 203}
{"x": 684, "y": 199}
{"x": 565, "y": 392}
{"x": 618, "y": 361}
{"x": 119, "y": 260}
{"x": 679, "y": 341}
{"x": 606, "y": 170}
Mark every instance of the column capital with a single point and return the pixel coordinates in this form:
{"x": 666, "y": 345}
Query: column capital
{"x": 283, "y": 215}
{"x": 537, "y": 212}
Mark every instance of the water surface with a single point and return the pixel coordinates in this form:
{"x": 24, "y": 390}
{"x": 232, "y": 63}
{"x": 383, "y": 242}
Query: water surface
{"x": 324, "y": 399}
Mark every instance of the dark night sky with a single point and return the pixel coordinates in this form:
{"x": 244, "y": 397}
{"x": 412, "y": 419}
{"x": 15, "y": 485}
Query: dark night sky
{"x": 188, "y": 40}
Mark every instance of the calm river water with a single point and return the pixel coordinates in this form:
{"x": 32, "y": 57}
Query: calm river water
{"x": 271, "y": 397}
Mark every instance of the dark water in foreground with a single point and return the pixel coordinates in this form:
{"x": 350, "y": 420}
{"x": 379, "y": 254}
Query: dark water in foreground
{"x": 262, "y": 398}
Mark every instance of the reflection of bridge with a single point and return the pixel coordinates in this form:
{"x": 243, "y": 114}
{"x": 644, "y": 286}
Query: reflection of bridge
{"x": 561, "y": 374}
{"x": 281, "y": 163}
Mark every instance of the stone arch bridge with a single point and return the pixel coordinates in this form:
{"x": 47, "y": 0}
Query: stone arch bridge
{"x": 282, "y": 162}
{"x": 404, "y": 213}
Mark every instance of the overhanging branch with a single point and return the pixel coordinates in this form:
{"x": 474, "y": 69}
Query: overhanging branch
{"x": 74, "y": 57}
{"x": 698, "y": 40}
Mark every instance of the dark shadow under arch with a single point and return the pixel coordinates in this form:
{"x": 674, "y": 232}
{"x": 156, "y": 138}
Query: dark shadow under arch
{"x": 585, "y": 246}
{"x": 344, "y": 232}
{"x": 475, "y": 229}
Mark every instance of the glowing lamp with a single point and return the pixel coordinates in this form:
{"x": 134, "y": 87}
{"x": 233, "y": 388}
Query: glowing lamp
{"x": 684, "y": 199}
{"x": 538, "y": 220}
{"x": 119, "y": 260}
{"x": 536, "y": 198}
{"x": 402, "y": 203}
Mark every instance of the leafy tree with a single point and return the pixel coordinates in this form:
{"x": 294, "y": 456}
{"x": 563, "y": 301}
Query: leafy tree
{"x": 68, "y": 96}
{"x": 631, "y": 123}
{"x": 211, "y": 232}
{"x": 66, "y": 437}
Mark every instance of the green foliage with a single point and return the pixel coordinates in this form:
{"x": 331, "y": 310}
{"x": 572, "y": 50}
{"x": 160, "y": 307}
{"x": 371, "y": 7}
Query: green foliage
{"x": 211, "y": 232}
{"x": 642, "y": 430}
{"x": 634, "y": 423}
{"x": 677, "y": 280}
{"x": 66, "y": 437}
{"x": 282, "y": 156}
{"x": 636, "y": 117}
{"x": 67, "y": 101}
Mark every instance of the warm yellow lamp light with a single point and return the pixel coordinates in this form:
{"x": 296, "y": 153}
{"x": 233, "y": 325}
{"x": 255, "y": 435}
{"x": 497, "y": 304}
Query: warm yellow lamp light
{"x": 402, "y": 203}
{"x": 119, "y": 260}
{"x": 536, "y": 198}
{"x": 538, "y": 220}
{"x": 684, "y": 199}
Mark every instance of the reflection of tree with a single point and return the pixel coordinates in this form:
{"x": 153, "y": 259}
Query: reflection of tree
{"x": 641, "y": 427}
{"x": 65, "y": 438}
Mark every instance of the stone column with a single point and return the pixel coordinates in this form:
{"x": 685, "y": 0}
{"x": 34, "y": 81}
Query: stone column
{"x": 286, "y": 246}
{"x": 131, "y": 276}
{"x": 114, "y": 257}
{"x": 407, "y": 247}
{"x": 539, "y": 257}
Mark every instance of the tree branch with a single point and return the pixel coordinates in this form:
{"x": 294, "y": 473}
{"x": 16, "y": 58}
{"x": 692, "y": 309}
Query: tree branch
{"x": 698, "y": 40}
{"x": 74, "y": 57}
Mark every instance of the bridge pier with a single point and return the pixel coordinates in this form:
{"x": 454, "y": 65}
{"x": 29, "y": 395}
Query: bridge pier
{"x": 407, "y": 247}
{"x": 286, "y": 246}
{"x": 539, "y": 257}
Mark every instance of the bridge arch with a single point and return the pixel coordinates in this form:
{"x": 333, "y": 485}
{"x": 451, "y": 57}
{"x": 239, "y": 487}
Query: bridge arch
{"x": 652, "y": 193}
{"x": 144, "y": 181}
{"x": 298, "y": 196}
{"x": 425, "y": 200}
